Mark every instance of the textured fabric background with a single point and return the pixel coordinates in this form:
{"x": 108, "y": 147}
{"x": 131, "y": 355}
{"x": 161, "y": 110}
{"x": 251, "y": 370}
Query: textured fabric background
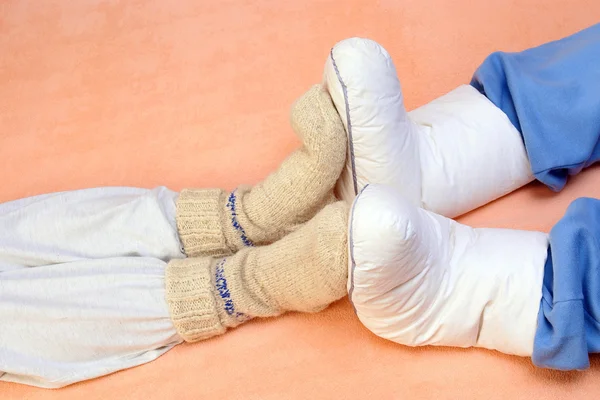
{"x": 196, "y": 93}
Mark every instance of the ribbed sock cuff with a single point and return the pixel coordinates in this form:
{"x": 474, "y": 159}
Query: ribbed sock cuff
{"x": 189, "y": 285}
{"x": 208, "y": 222}
{"x": 199, "y": 300}
{"x": 200, "y": 222}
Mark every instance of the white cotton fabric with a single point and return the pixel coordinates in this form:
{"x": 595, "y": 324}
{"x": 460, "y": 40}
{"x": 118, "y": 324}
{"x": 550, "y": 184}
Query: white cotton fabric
{"x": 450, "y": 156}
{"x": 82, "y": 283}
{"x": 417, "y": 278}
{"x": 65, "y": 323}
{"x": 86, "y": 224}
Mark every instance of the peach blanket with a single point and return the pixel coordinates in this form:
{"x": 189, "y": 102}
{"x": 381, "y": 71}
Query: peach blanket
{"x": 196, "y": 93}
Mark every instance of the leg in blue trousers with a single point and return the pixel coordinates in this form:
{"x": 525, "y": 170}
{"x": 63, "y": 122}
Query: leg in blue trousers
{"x": 551, "y": 94}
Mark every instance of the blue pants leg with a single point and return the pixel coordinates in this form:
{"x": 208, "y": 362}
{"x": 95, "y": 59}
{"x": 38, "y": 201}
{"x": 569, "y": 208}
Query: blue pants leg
{"x": 551, "y": 94}
{"x": 569, "y": 317}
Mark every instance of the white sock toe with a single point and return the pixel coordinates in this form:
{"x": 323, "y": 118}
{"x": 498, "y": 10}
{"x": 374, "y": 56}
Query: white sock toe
{"x": 362, "y": 81}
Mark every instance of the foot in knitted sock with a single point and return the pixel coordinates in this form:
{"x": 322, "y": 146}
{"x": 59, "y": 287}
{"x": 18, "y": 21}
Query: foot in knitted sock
{"x": 211, "y": 222}
{"x": 305, "y": 271}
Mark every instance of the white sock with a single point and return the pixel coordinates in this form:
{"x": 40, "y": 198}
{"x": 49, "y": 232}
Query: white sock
{"x": 421, "y": 279}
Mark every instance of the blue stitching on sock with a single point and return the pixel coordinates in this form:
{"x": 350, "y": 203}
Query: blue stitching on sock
{"x": 221, "y": 285}
{"x": 231, "y": 204}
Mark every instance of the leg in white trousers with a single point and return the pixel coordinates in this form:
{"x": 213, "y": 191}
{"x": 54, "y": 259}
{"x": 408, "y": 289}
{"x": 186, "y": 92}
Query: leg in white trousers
{"x": 82, "y": 283}
{"x": 88, "y": 224}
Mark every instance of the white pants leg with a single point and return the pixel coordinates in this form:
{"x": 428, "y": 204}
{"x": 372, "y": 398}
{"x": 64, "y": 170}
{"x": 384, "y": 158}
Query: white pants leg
{"x": 65, "y": 323}
{"x": 88, "y": 224}
{"x": 94, "y": 303}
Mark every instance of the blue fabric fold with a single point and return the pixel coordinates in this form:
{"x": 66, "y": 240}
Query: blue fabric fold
{"x": 568, "y": 328}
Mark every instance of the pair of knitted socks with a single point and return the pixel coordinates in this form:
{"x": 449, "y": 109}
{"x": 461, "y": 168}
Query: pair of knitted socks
{"x": 278, "y": 246}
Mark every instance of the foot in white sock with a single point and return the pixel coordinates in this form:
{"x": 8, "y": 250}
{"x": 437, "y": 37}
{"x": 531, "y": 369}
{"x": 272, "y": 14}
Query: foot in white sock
{"x": 450, "y": 156}
{"x": 418, "y": 278}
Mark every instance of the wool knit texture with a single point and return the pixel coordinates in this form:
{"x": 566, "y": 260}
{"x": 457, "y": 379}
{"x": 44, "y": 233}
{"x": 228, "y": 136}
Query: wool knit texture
{"x": 305, "y": 271}
{"x": 212, "y": 222}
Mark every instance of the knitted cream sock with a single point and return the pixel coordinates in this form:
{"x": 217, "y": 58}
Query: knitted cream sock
{"x": 305, "y": 271}
{"x": 211, "y": 222}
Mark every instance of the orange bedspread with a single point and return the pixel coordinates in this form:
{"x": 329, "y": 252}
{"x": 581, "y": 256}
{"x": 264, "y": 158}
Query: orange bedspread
{"x": 196, "y": 93}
